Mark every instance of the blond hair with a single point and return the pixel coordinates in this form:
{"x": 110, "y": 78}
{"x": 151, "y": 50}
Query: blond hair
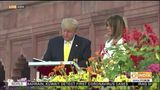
{"x": 69, "y": 23}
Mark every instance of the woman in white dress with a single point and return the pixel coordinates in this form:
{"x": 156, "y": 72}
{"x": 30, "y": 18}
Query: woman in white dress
{"x": 115, "y": 27}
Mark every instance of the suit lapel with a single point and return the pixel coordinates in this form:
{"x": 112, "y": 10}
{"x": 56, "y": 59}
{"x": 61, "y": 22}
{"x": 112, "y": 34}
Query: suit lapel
{"x": 74, "y": 48}
{"x": 60, "y": 49}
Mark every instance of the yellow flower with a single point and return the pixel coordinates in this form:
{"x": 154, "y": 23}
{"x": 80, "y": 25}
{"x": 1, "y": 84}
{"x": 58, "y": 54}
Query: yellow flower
{"x": 122, "y": 78}
{"x": 85, "y": 76}
{"x": 112, "y": 62}
{"x": 58, "y": 78}
{"x": 105, "y": 80}
{"x": 106, "y": 66}
{"x": 93, "y": 79}
{"x": 99, "y": 78}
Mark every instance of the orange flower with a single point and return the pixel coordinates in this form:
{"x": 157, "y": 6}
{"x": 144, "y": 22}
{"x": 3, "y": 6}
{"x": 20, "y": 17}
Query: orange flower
{"x": 91, "y": 59}
{"x": 89, "y": 69}
{"x": 51, "y": 74}
{"x": 99, "y": 71}
{"x": 97, "y": 53}
{"x": 62, "y": 66}
{"x": 56, "y": 68}
{"x": 101, "y": 63}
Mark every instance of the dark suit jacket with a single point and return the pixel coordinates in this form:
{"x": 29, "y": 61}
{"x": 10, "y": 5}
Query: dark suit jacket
{"x": 81, "y": 49}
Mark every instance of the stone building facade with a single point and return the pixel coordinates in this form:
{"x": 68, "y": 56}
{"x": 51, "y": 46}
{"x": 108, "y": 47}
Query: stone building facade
{"x": 26, "y": 30}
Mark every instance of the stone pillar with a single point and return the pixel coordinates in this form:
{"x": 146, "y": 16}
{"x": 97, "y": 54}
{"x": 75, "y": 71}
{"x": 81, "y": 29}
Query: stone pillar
{"x": 34, "y": 48}
{"x": 8, "y": 59}
{"x": 92, "y": 37}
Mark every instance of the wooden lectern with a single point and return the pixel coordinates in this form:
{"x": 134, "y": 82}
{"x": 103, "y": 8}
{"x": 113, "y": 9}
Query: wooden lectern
{"x": 45, "y": 67}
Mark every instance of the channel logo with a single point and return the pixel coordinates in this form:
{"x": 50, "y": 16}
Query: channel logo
{"x": 14, "y": 6}
{"x": 141, "y": 76}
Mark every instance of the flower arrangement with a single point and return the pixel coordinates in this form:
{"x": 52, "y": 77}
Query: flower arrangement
{"x": 140, "y": 51}
{"x": 142, "y": 46}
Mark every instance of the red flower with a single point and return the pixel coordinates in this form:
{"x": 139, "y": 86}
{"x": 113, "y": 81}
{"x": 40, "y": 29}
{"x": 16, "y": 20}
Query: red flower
{"x": 153, "y": 39}
{"x": 126, "y": 36}
{"x": 136, "y": 59}
{"x": 148, "y": 28}
{"x": 137, "y": 35}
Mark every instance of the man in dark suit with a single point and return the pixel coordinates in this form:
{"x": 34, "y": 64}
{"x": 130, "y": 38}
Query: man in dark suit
{"x": 69, "y": 46}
